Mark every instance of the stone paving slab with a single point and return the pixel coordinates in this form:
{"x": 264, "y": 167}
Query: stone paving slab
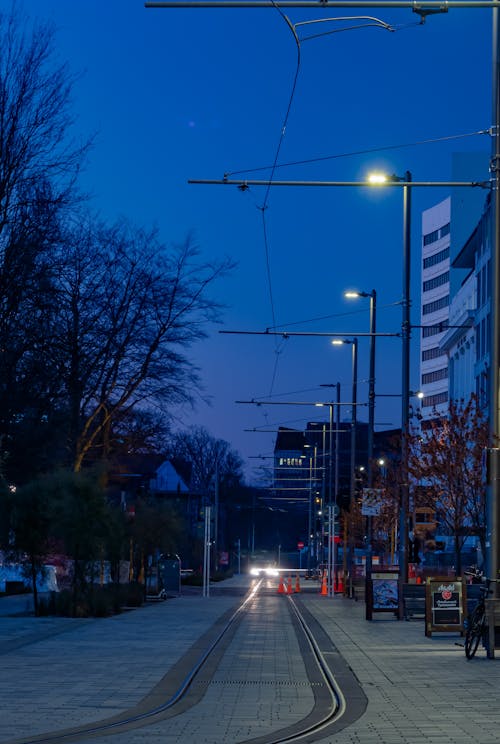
{"x": 419, "y": 689}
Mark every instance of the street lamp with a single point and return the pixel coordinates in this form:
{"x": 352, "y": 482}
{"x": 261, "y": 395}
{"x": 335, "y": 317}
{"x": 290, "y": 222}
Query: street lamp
{"x": 352, "y": 294}
{"x": 352, "y": 490}
{"x": 379, "y": 178}
{"x": 333, "y": 494}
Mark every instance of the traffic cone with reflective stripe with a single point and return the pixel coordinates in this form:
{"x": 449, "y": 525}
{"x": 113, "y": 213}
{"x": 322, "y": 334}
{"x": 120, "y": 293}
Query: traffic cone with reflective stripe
{"x": 289, "y": 586}
{"x": 324, "y": 587}
{"x": 340, "y": 584}
{"x": 281, "y": 588}
{"x": 297, "y": 584}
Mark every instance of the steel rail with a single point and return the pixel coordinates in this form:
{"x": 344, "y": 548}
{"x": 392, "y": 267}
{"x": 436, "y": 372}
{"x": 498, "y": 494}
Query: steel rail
{"x": 289, "y": 734}
{"x": 99, "y": 728}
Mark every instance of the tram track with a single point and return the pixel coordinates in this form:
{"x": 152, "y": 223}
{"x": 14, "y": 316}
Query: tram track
{"x": 185, "y": 685}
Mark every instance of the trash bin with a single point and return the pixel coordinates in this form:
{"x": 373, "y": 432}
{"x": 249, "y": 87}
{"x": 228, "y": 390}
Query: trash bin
{"x": 169, "y": 569}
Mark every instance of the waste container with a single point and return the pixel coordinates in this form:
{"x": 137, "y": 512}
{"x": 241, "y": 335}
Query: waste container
{"x": 169, "y": 569}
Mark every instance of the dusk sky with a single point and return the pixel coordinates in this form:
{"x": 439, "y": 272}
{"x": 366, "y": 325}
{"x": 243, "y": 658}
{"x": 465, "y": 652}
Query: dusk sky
{"x": 178, "y": 94}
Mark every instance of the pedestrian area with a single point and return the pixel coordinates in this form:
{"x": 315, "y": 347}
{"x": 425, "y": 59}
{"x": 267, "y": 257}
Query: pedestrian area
{"x": 57, "y": 672}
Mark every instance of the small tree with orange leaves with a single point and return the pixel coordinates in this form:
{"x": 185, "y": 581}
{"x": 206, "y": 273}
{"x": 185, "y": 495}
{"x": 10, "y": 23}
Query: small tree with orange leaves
{"x": 446, "y": 458}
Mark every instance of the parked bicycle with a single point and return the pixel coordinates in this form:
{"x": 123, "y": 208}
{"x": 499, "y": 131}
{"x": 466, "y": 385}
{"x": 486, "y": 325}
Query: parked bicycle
{"x": 476, "y": 622}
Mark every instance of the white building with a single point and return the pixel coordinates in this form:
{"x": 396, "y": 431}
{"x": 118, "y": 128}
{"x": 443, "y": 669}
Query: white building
{"x": 475, "y": 257}
{"x": 435, "y": 309}
{"x": 458, "y": 343}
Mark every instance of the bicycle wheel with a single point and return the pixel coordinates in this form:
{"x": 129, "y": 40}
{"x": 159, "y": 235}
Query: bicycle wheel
{"x": 474, "y": 632}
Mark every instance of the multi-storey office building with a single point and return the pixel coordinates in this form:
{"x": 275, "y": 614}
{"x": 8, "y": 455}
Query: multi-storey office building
{"x": 435, "y": 308}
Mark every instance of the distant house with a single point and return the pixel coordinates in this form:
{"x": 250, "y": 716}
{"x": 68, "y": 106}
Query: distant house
{"x": 134, "y": 476}
{"x": 168, "y": 480}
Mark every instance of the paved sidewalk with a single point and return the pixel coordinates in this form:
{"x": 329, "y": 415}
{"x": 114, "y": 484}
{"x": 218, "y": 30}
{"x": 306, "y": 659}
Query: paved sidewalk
{"x": 420, "y": 690}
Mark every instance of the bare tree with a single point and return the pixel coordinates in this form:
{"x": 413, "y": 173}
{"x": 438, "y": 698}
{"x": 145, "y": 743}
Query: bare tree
{"x": 446, "y": 458}
{"x": 39, "y": 164}
{"x": 209, "y": 458}
{"x": 35, "y": 122}
{"x": 128, "y": 308}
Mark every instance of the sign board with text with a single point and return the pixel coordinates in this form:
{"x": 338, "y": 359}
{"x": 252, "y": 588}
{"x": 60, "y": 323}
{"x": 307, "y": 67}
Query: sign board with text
{"x": 445, "y": 604}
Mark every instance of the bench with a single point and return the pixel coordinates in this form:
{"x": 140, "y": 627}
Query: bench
{"x": 359, "y": 589}
{"x": 413, "y": 601}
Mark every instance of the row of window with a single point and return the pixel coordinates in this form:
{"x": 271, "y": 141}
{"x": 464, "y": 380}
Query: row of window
{"x": 431, "y": 353}
{"x": 436, "y": 258}
{"x": 437, "y": 281}
{"x": 433, "y": 330}
{"x": 438, "y": 374}
{"x": 436, "y": 234}
{"x": 432, "y": 307}
{"x": 434, "y": 400}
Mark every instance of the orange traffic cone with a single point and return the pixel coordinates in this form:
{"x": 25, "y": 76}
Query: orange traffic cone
{"x": 340, "y": 585}
{"x": 281, "y": 588}
{"x": 324, "y": 588}
{"x": 289, "y": 586}
{"x": 297, "y": 584}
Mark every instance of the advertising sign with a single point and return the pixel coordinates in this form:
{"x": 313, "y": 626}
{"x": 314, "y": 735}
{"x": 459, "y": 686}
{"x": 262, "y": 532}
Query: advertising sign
{"x": 445, "y": 604}
{"x": 382, "y": 592}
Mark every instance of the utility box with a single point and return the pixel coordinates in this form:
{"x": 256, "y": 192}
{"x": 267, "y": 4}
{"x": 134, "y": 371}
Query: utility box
{"x": 169, "y": 570}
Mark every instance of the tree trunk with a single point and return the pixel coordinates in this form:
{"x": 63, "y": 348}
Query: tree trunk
{"x": 458, "y": 556}
{"x": 33, "y": 565}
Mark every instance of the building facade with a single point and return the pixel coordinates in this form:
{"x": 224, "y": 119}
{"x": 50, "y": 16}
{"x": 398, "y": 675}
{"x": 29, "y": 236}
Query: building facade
{"x": 435, "y": 308}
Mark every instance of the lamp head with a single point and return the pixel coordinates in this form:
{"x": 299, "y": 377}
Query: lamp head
{"x": 377, "y": 178}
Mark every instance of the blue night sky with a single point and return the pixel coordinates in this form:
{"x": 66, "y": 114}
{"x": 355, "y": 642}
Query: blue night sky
{"x": 187, "y": 94}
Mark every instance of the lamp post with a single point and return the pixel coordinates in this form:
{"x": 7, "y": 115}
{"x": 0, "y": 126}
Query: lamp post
{"x": 406, "y": 180}
{"x": 333, "y": 491}
{"x": 351, "y": 294}
{"x": 352, "y": 489}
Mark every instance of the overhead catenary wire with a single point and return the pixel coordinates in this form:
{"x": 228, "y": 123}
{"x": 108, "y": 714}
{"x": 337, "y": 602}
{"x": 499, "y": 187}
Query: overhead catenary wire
{"x": 354, "y": 153}
{"x": 293, "y": 28}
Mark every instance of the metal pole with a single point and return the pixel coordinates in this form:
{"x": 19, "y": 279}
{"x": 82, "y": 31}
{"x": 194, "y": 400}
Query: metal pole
{"x": 206, "y": 554}
{"x": 405, "y": 394}
{"x": 493, "y": 494}
{"x": 216, "y": 517}
{"x": 337, "y": 464}
{"x": 371, "y": 422}
{"x": 352, "y": 495}
{"x": 309, "y": 537}
{"x": 436, "y": 5}
{"x": 331, "y": 516}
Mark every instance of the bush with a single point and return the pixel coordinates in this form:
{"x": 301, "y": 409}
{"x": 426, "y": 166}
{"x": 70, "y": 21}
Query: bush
{"x": 99, "y": 601}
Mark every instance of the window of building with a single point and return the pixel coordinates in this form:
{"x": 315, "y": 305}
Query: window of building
{"x": 432, "y": 307}
{"x": 436, "y": 258}
{"x": 445, "y": 230}
{"x": 433, "y": 330}
{"x": 437, "y": 281}
{"x": 431, "y": 353}
{"x": 438, "y": 374}
{"x": 431, "y": 237}
{"x": 434, "y": 400}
